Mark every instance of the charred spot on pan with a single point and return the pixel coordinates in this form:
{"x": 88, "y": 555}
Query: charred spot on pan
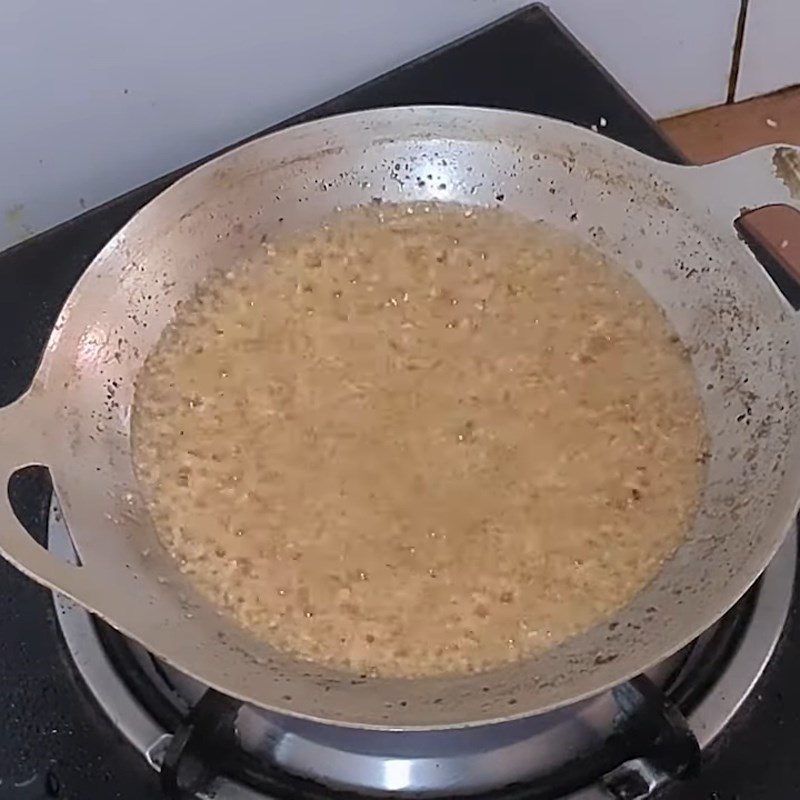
{"x": 604, "y": 658}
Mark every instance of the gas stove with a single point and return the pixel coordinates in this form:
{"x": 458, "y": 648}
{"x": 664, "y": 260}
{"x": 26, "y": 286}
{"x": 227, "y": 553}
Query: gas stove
{"x": 90, "y": 715}
{"x": 625, "y": 744}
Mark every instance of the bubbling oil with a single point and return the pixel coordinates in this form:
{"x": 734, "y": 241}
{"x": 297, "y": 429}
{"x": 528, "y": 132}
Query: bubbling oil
{"x": 419, "y": 440}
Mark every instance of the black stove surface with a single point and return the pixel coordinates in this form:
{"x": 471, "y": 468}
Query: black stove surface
{"x": 54, "y": 740}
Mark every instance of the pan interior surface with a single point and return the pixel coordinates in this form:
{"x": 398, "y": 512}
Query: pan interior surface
{"x": 637, "y": 211}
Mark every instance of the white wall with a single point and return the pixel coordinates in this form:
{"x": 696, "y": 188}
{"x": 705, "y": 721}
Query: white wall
{"x": 771, "y": 52}
{"x": 98, "y": 96}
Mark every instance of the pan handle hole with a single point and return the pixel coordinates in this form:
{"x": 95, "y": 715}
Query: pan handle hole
{"x": 773, "y": 235}
{"x": 30, "y": 493}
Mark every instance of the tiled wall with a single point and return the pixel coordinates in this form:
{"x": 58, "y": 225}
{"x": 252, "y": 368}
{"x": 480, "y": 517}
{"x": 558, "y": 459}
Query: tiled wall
{"x": 677, "y": 55}
{"x": 771, "y": 50}
{"x": 671, "y": 55}
{"x": 98, "y": 97}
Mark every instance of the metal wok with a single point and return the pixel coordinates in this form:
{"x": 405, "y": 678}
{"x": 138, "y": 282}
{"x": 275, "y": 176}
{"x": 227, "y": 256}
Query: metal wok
{"x": 671, "y": 225}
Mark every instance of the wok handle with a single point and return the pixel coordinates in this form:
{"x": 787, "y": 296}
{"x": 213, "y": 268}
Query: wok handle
{"x": 23, "y": 434}
{"x": 765, "y": 176}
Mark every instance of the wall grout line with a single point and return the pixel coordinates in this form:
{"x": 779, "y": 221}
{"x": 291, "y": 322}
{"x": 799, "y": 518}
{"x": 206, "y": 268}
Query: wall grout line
{"x": 736, "y": 53}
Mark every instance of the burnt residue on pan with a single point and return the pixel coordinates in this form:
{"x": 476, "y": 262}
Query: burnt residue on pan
{"x": 786, "y": 161}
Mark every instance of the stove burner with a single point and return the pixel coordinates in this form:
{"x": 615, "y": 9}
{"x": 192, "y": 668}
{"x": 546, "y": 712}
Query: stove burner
{"x": 625, "y": 743}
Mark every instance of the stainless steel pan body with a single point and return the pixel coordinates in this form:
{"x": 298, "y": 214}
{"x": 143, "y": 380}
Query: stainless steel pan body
{"x": 670, "y": 225}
